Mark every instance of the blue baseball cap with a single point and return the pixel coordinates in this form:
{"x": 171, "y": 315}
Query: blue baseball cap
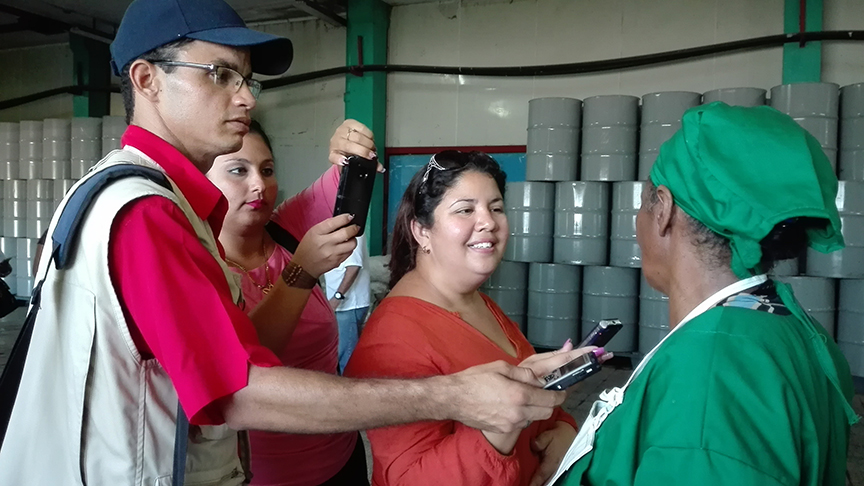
{"x": 148, "y": 24}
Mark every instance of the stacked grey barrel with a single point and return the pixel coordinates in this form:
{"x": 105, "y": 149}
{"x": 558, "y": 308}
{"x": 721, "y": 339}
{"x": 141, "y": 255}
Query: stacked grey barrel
{"x": 653, "y": 316}
{"x": 851, "y": 162}
{"x": 39, "y": 161}
{"x": 610, "y": 132}
{"x": 9, "y": 153}
{"x": 850, "y": 324}
{"x": 585, "y": 175}
{"x": 626, "y": 201}
{"x": 815, "y": 106}
{"x": 553, "y": 139}
{"x": 86, "y": 145}
{"x": 661, "y": 118}
{"x": 529, "y": 207}
{"x": 581, "y": 223}
{"x": 848, "y": 262}
{"x": 112, "y": 130}
{"x": 508, "y": 287}
{"x": 30, "y": 150}
{"x": 553, "y": 304}
{"x": 612, "y": 293}
{"x": 56, "y": 149}
{"x": 735, "y": 96}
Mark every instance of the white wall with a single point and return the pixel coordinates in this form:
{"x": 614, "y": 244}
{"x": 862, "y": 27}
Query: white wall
{"x": 30, "y": 70}
{"x": 432, "y": 110}
{"x": 300, "y": 119}
{"x": 428, "y": 110}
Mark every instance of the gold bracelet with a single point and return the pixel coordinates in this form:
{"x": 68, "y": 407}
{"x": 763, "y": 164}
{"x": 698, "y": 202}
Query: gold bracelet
{"x": 294, "y": 276}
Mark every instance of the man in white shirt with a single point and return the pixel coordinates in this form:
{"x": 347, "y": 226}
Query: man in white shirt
{"x": 348, "y": 291}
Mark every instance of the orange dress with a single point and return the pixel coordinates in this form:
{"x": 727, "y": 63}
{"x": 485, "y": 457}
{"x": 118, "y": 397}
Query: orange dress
{"x": 411, "y": 338}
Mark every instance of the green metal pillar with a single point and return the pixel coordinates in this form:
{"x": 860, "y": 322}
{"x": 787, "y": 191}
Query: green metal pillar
{"x": 91, "y": 66}
{"x": 802, "y": 64}
{"x": 366, "y": 95}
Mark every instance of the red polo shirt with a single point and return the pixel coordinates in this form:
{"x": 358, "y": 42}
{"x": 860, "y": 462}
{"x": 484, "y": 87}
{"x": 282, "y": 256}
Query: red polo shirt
{"x": 173, "y": 292}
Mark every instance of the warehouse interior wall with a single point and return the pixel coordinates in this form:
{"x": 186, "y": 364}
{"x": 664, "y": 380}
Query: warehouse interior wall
{"x": 437, "y": 110}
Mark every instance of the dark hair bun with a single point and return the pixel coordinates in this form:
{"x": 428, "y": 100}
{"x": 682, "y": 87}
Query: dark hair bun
{"x": 787, "y": 240}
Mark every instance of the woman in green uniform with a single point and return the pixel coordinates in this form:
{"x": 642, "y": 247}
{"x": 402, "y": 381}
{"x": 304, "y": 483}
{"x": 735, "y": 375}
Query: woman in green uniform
{"x": 747, "y": 388}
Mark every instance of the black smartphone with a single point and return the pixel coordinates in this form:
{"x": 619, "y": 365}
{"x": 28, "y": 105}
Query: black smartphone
{"x": 602, "y": 333}
{"x": 355, "y": 189}
{"x": 573, "y": 372}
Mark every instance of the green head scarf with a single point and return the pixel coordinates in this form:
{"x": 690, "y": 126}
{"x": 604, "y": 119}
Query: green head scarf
{"x": 741, "y": 171}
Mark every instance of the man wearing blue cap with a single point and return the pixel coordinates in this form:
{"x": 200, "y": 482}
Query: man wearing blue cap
{"x": 147, "y": 315}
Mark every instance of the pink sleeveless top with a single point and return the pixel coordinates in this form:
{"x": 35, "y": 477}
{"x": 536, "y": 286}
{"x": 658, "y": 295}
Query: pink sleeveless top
{"x": 289, "y": 459}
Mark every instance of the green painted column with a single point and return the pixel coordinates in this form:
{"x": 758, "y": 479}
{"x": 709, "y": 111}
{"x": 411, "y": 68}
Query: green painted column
{"x": 802, "y": 64}
{"x": 366, "y": 95}
{"x": 91, "y": 66}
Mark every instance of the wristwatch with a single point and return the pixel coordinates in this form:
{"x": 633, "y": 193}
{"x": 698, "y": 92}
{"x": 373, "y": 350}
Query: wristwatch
{"x": 339, "y": 295}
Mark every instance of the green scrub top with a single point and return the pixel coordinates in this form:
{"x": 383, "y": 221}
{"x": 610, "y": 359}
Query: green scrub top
{"x": 735, "y": 397}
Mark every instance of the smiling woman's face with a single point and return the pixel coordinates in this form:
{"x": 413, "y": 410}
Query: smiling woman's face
{"x": 470, "y": 229}
{"x": 247, "y": 178}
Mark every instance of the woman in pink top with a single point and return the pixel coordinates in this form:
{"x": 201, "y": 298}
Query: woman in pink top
{"x": 307, "y": 336}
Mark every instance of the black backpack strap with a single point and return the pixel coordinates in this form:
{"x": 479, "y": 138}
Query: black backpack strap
{"x": 181, "y": 441}
{"x": 282, "y": 237}
{"x": 65, "y": 240}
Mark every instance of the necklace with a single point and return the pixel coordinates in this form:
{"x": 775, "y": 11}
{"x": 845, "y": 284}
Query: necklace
{"x": 266, "y": 288}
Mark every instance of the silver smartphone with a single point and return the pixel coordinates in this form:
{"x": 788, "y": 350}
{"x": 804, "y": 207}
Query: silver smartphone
{"x": 573, "y": 372}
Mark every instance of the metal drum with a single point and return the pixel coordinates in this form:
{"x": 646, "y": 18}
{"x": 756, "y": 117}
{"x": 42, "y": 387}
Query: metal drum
{"x": 15, "y": 208}
{"x": 850, "y": 165}
{"x": 56, "y": 148}
{"x": 626, "y": 201}
{"x": 24, "y": 266}
{"x": 785, "y": 268}
{"x": 508, "y": 287}
{"x": 661, "y": 118}
{"x": 612, "y": 293}
{"x": 850, "y": 324}
{"x": 848, "y": 262}
{"x": 9, "y": 154}
{"x": 553, "y": 304}
{"x": 40, "y": 206}
{"x": 112, "y": 129}
{"x": 817, "y": 297}
{"x": 815, "y": 106}
{"x": 529, "y": 207}
{"x": 735, "y": 96}
{"x": 552, "y": 151}
{"x": 609, "y": 136}
{"x": 9, "y": 247}
{"x": 86, "y": 145}
{"x": 581, "y": 223}
{"x": 30, "y": 150}
{"x": 653, "y": 316}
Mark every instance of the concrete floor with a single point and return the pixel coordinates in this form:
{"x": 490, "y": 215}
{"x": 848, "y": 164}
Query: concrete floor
{"x": 577, "y": 404}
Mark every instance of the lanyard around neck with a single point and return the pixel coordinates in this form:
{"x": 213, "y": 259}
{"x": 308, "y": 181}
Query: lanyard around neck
{"x": 706, "y": 304}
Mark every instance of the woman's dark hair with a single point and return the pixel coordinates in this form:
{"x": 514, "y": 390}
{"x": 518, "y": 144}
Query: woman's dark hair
{"x": 424, "y": 194}
{"x": 256, "y": 128}
{"x": 167, "y": 52}
{"x": 786, "y": 240}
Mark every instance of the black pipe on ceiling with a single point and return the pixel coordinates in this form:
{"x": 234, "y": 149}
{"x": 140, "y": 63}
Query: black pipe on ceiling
{"x": 516, "y": 71}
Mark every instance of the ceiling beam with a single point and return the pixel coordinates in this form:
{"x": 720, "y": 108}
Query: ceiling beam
{"x": 45, "y": 25}
{"x": 320, "y": 11}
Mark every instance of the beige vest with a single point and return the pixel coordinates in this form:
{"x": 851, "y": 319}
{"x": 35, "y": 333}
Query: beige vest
{"x": 90, "y": 410}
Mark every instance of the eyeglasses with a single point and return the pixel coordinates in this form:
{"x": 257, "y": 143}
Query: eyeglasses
{"x": 222, "y": 76}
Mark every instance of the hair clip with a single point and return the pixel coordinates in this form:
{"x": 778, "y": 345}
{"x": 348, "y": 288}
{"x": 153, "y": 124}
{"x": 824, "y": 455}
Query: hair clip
{"x": 433, "y": 164}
